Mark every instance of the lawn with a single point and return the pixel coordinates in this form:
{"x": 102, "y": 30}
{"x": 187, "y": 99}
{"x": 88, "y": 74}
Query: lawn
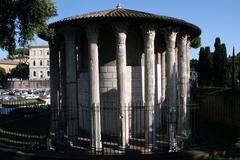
{"x": 23, "y": 102}
{"x": 215, "y": 91}
{"x": 25, "y": 132}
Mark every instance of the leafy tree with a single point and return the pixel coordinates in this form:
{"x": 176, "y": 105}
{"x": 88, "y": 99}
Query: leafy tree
{"x": 196, "y": 42}
{"x": 194, "y": 64}
{"x": 20, "y": 53}
{"x": 3, "y": 77}
{"x": 21, "y": 71}
{"x": 21, "y": 19}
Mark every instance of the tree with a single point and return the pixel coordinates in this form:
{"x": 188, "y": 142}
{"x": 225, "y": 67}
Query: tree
{"x": 194, "y": 64}
{"x": 22, "y": 54}
{"x": 219, "y": 64}
{"x": 196, "y": 42}
{"x": 205, "y": 67}
{"x": 208, "y": 66}
{"x": 3, "y": 77}
{"x": 201, "y": 70}
{"x": 21, "y": 71}
{"x": 233, "y": 69}
{"x": 21, "y": 19}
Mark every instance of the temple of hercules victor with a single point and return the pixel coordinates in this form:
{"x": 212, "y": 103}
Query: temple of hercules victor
{"x": 120, "y": 81}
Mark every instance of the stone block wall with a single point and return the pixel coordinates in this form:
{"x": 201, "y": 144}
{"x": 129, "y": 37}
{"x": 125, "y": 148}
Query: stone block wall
{"x": 108, "y": 98}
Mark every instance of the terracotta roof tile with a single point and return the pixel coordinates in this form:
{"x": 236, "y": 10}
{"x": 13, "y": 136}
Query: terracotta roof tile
{"x": 120, "y": 13}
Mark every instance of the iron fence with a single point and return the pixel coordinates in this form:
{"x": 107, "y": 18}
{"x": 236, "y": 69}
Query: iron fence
{"x": 42, "y": 127}
{"x": 224, "y": 110}
{"x": 137, "y": 136}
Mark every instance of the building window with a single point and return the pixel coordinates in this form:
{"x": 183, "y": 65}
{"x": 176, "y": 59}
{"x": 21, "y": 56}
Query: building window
{"x": 40, "y": 62}
{"x": 47, "y": 52}
{"x": 48, "y": 73}
{"x": 41, "y": 74}
{"x": 34, "y": 63}
{"x": 34, "y": 73}
{"x": 48, "y": 62}
{"x": 34, "y": 53}
{"x": 41, "y": 52}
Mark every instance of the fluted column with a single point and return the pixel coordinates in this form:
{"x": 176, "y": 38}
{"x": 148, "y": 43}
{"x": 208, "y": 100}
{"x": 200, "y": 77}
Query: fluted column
{"x": 163, "y": 76}
{"x": 171, "y": 97}
{"x": 149, "y": 64}
{"x": 188, "y": 86}
{"x": 54, "y": 88}
{"x": 71, "y": 86}
{"x": 94, "y": 93}
{"x": 120, "y": 36}
{"x": 182, "y": 84}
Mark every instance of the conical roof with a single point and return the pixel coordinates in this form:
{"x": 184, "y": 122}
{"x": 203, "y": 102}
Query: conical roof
{"x": 122, "y": 14}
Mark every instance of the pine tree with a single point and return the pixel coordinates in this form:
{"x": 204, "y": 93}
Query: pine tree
{"x": 223, "y": 66}
{"x": 208, "y": 66}
{"x": 201, "y": 76}
{"x": 233, "y": 69}
{"x": 217, "y": 63}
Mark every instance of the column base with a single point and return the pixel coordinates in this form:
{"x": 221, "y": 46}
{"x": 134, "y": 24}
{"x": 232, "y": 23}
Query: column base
{"x": 173, "y": 147}
{"x": 123, "y": 148}
{"x": 97, "y": 148}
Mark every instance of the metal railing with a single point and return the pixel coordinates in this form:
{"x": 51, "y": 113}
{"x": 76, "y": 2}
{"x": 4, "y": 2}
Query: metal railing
{"x": 41, "y": 127}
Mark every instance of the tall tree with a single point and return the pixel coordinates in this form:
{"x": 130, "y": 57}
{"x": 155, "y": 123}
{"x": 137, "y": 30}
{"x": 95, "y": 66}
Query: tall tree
{"x": 201, "y": 69}
{"x": 21, "y": 19}
{"x": 204, "y": 67}
{"x": 208, "y": 66}
{"x": 233, "y": 69}
{"x": 224, "y": 65}
{"x": 217, "y": 69}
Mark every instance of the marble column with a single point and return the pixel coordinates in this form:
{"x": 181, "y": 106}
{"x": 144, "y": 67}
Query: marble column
{"x": 94, "y": 93}
{"x": 54, "y": 89}
{"x": 149, "y": 65}
{"x": 163, "y": 77}
{"x": 120, "y": 36}
{"x": 158, "y": 78}
{"x": 182, "y": 84}
{"x": 71, "y": 86}
{"x": 171, "y": 97}
{"x": 188, "y": 86}
{"x": 62, "y": 101}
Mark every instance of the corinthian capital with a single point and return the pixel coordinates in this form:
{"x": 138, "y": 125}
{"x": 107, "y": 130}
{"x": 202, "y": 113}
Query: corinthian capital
{"x": 69, "y": 35}
{"x": 170, "y": 35}
{"x": 120, "y": 27}
{"x": 92, "y": 32}
{"x": 182, "y": 38}
{"x": 149, "y": 31}
{"x": 120, "y": 30}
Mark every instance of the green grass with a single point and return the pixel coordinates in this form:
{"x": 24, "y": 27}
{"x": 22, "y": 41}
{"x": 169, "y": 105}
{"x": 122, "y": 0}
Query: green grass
{"x": 26, "y": 132}
{"x": 23, "y": 102}
{"x": 215, "y": 91}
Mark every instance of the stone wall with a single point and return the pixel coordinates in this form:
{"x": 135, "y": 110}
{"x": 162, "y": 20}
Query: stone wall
{"x": 108, "y": 96}
{"x": 28, "y": 84}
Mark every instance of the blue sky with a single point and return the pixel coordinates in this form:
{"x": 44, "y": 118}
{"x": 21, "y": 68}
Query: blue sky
{"x": 216, "y": 18}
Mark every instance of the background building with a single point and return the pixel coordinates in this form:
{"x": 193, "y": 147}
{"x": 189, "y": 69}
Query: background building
{"x": 39, "y": 62}
{"x": 8, "y": 65}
